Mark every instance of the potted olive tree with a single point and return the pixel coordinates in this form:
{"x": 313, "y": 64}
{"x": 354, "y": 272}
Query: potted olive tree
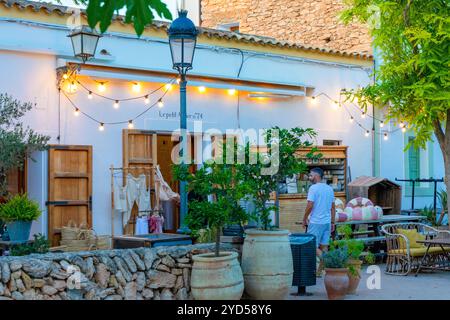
{"x": 18, "y": 213}
{"x": 217, "y": 275}
{"x": 336, "y": 273}
{"x": 266, "y": 256}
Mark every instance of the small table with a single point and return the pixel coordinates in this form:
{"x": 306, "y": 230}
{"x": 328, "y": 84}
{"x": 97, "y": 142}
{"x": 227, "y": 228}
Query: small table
{"x": 442, "y": 243}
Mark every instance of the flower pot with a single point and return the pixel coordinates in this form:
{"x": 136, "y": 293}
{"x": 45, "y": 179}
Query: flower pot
{"x": 216, "y": 278}
{"x": 19, "y": 230}
{"x": 267, "y": 264}
{"x": 336, "y": 283}
{"x": 354, "y": 278}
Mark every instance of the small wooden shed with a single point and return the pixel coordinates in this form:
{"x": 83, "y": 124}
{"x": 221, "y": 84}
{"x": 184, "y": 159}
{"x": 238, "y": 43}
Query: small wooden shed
{"x": 381, "y": 191}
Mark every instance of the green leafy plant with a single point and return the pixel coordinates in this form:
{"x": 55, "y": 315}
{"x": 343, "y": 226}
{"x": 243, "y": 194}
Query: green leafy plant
{"x": 442, "y": 196}
{"x": 17, "y": 142}
{"x": 19, "y": 208}
{"x": 412, "y": 82}
{"x": 336, "y": 258}
{"x": 369, "y": 258}
{"x": 263, "y": 171}
{"x": 40, "y": 245}
{"x": 224, "y": 185}
{"x": 138, "y": 12}
{"x": 428, "y": 211}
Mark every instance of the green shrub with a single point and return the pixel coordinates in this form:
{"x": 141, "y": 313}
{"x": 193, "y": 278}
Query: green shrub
{"x": 336, "y": 258}
{"x": 40, "y": 245}
{"x": 19, "y": 208}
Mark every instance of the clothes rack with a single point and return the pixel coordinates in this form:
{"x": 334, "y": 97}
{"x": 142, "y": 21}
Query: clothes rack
{"x": 149, "y": 172}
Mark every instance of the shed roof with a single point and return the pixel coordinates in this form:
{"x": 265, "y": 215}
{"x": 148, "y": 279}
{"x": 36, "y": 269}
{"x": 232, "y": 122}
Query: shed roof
{"x": 211, "y": 33}
{"x": 365, "y": 181}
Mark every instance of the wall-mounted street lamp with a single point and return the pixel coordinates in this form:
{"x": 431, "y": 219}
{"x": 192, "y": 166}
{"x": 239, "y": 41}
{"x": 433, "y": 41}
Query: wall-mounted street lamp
{"x": 84, "y": 42}
{"x": 182, "y": 40}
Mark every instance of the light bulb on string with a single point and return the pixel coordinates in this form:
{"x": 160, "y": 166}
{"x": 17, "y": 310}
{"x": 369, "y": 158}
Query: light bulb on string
{"x": 231, "y": 92}
{"x": 363, "y": 115}
{"x": 101, "y": 87}
{"x": 76, "y": 112}
{"x": 381, "y": 124}
{"x": 402, "y": 125}
{"x": 386, "y": 137}
{"x": 65, "y": 76}
{"x": 101, "y": 127}
{"x": 136, "y": 87}
{"x": 404, "y": 129}
{"x": 147, "y": 99}
{"x": 130, "y": 124}
{"x": 367, "y": 133}
{"x": 351, "y": 119}
{"x": 73, "y": 87}
{"x": 116, "y": 104}
{"x": 201, "y": 89}
{"x": 90, "y": 95}
{"x": 178, "y": 80}
{"x": 313, "y": 100}
{"x": 160, "y": 103}
{"x": 168, "y": 87}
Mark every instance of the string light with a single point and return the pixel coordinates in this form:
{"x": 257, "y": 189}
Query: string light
{"x": 101, "y": 127}
{"x": 136, "y": 87}
{"x": 363, "y": 115}
{"x": 386, "y": 136}
{"x": 160, "y": 103}
{"x": 73, "y": 87}
{"x": 116, "y": 104}
{"x": 90, "y": 95}
{"x": 65, "y": 76}
{"x": 351, "y": 119}
{"x": 402, "y": 125}
{"x": 201, "y": 89}
{"x": 381, "y": 124}
{"x": 147, "y": 99}
{"x": 404, "y": 129}
{"x": 178, "y": 80}
{"x": 130, "y": 124}
{"x": 168, "y": 86}
{"x": 231, "y": 92}
{"x": 101, "y": 87}
{"x": 367, "y": 133}
{"x": 76, "y": 113}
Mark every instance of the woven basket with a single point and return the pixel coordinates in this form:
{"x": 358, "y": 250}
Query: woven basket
{"x": 81, "y": 238}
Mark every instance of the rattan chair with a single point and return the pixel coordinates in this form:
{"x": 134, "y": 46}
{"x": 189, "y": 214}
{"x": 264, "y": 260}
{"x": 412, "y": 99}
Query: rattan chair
{"x": 401, "y": 260}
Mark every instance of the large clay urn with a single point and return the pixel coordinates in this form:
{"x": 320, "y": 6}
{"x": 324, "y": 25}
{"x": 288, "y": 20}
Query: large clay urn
{"x": 216, "y": 278}
{"x": 354, "y": 277}
{"x": 336, "y": 283}
{"x": 267, "y": 264}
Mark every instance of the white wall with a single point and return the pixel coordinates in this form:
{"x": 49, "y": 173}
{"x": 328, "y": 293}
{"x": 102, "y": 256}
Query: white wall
{"x": 31, "y": 76}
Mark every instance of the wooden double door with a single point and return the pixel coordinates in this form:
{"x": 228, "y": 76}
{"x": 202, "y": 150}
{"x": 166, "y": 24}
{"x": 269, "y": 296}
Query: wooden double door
{"x": 69, "y": 188}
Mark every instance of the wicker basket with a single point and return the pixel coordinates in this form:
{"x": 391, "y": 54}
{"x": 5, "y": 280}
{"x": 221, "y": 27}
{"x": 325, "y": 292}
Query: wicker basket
{"x": 81, "y": 238}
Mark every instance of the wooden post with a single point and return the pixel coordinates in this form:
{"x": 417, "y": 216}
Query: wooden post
{"x": 112, "y": 201}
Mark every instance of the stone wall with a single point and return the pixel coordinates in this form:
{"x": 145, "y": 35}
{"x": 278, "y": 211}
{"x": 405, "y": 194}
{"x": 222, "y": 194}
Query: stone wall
{"x": 161, "y": 273}
{"x": 308, "y": 22}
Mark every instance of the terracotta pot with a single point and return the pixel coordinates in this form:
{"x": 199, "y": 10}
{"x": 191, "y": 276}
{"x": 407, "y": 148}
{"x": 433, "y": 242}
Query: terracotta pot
{"x": 216, "y": 278}
{"x": 336, "y": 283}
{"x": 354, "y": 278}
{"x": 267, "y": 264}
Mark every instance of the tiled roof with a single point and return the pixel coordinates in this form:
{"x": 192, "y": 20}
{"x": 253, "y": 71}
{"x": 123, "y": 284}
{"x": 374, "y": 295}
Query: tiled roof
{"x": 212, "y": 33}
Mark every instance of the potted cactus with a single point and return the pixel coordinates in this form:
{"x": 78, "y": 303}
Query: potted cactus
{"x": 336, "y": 273}
{"x": 18, "y": 213}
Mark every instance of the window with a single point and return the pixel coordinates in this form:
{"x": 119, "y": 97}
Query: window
{"x": 418, "y": 165}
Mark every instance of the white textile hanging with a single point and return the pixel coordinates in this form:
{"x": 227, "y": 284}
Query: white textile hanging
{"x": 165, "y": 192}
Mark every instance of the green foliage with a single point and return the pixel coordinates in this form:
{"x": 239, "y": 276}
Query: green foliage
{"x": 40, "y": 245}
{"x": 224, "y": 184}
{"x": 138, "y": 12}
{"x": 266, "y": 171}
{"x": 19, "y": 208}
{"x": 336, "y": 258}
{"x": 369, "y": 258}
{"x": 442, "y": 197}
{"x": 16, "y": 142}
{"x": 428, "y": 211}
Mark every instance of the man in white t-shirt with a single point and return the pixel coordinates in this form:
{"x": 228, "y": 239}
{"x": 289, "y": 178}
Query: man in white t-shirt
{"x": 320, "y": 211}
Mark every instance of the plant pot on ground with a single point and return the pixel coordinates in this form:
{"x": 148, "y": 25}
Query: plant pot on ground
{"x": 266, "y": 255}
{"x": 19, "y": 212}
{"x": 218, "y": 275}
{"x": 336, "y": 273}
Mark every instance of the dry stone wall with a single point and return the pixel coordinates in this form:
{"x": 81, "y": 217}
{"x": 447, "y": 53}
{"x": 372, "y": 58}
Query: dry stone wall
{"x": 307, "y": 22}
{"x": 161, "y": 273}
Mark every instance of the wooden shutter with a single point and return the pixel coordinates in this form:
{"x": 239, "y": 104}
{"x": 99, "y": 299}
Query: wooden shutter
{"x": 139, "y": 151}
{"x": 414, "y": 161}
{"x": 69, "y": 188}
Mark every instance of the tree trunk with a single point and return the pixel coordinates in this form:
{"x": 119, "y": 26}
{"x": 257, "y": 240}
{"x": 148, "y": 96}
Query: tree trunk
{"x": 447, "y": 185}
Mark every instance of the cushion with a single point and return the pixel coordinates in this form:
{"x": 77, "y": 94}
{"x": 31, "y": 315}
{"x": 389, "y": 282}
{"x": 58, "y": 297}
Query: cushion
{"x": 418, "y": 252}
{"x": 412, "y": 236}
